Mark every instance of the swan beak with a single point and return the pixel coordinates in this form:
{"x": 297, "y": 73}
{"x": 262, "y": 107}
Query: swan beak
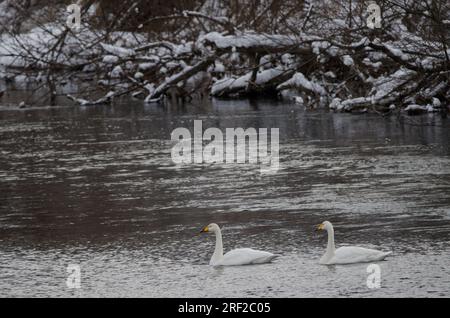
{"x": 204, "y": 230}
{"x": 320, "y": 227}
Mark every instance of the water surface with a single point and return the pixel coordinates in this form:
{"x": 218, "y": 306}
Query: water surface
{"x": 95, "y": 186}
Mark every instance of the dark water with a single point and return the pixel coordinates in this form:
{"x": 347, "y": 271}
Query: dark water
{"x": 95, "y": 186}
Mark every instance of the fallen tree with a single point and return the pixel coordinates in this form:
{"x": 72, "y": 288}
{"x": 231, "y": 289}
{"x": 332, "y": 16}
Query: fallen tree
{"x": 333, "y": 60}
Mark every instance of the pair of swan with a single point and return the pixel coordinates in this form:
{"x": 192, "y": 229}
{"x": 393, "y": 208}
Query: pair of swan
{"x": 333, "y": 256}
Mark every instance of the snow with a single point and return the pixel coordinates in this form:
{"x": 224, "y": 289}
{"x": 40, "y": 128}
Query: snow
{"x": 118, "y": 51}
{"x": 398, "y": 53}
{"x": 288, "y": 60}
{"x": 219, "y": 67}
{"x": 384, "y": 86}
{"x": 83, "y": 102}
{"x": 374, "y": 65}
{"x": 117, "y": 72}
{"x": 32, "y": 48}
{"x": 350, "y": 104}
{"x": 241, "y": 83}
{"x": 246, "y": 40}
{"x": 436, "y": 102}
{"x": 138, "y": 75}
{"x": 146, "y": 66}
{"x": 347, "y": 60}
{"x": 318, "y": 46}
{"x": 300, "y": 81}
{"x": 267, "y": 75}
{"x": 110, "y": 59}
{"x": 221, "y": 85}
{"x": 336, "y": 104}
{"x": 415, "y": 107}
{"x": 429, "y": 63}
{"x": 330, "y": 74}
{"x": 299, "y": 100}
{"x": 311, "y": 60}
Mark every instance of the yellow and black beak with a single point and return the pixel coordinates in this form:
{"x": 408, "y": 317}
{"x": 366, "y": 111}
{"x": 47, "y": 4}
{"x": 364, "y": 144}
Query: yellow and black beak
{"x": 320, "y": 227}
{"x": 204, "y": 230}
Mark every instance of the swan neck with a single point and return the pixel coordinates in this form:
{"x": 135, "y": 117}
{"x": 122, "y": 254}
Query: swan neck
{"x": 218, "y": 252}
{"x": 331, "y": 248}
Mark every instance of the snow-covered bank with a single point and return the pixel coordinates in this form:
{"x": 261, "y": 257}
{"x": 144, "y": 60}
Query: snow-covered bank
{"x": 328, "y": 60}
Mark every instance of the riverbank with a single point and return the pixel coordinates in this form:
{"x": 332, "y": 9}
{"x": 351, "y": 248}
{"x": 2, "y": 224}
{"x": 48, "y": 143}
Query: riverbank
{"x": 336, "y": 61}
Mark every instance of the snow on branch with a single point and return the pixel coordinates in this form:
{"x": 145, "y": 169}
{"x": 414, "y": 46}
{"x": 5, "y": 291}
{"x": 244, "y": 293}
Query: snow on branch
{"x": 300, "y": 81}
{"x": 253, "y": 42}
{"x": 280, "y": 48}
{"x": 118, "y": 51}
{"x": 177, "y": 78}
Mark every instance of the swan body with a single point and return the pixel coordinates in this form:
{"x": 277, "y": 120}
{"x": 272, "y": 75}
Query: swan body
{"x": 244, "y": 256}
{"x": 237, "y": 257}
{"x": 347, "y": 254}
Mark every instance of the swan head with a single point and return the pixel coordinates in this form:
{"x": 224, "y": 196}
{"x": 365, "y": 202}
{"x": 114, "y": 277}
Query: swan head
{"x": 325, "y": 226}
{"x": 213, "y": 228}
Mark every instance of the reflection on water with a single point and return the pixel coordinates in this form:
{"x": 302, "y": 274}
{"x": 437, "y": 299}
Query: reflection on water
{"x": 95, "y": 186}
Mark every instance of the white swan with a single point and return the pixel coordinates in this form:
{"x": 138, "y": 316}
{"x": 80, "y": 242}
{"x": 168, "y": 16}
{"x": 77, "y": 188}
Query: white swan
{"x": 347, "y": 254}
{"x": 242, "y": 256}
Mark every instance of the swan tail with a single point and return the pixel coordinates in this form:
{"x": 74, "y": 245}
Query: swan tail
{"x": 264, "y": 260}
{"x": 384, "y": 255}
{"x": 273, "y": 257}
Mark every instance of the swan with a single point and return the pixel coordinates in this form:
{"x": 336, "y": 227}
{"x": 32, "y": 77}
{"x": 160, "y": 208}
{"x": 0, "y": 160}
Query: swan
{"x": 242, "y": 256}
{"x": 347, "y": 254}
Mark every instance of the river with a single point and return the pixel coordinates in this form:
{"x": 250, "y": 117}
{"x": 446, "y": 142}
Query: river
{"x": 95, "y": 187}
